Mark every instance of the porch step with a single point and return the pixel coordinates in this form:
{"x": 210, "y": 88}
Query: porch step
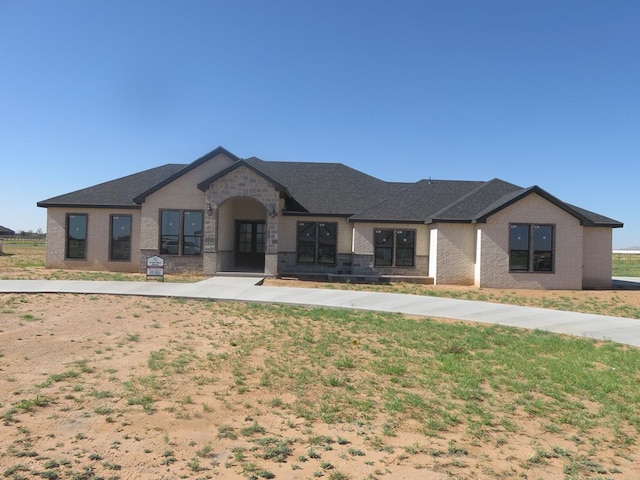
{"x": 240, "y": 274}
{"x": 352, "y": 278}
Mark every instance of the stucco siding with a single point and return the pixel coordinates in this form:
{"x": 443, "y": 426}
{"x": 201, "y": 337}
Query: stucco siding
{"x": 455, "y": 253}
{"x": 232, "y": 210}
{"x": 568, "y": 247}
{"x": 597, "y": 259}
{"x": 97, "y": 243}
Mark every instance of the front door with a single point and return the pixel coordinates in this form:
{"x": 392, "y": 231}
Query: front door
{"x": 250, "y": 245}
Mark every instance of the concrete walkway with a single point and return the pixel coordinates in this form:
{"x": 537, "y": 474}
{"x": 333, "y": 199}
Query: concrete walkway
{"x": 617, "y": 329}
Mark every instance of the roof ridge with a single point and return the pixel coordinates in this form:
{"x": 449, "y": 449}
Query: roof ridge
{"x": 462, "y": 198}
{"x": 387, "y": 198}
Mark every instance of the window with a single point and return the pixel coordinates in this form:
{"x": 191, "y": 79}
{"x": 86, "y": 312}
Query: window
{"x": 384, "y": 248}
{"x": 76, "y": 236}
{"x": 181, "y": 232}
{"x": 405, "y": 247}
{"x": 317, "y": 242}
{"x": 192, "y": 233}
{"x": 530, "y": 248}
{"x": 120, "y": 242}
{"x": 394, "y": 247}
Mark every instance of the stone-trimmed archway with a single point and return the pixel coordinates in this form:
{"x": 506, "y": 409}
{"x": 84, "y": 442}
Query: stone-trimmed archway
{"x": 240, "y": 183}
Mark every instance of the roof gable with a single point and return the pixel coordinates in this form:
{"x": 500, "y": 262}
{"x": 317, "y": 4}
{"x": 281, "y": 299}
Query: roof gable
{"x": 196, "y": 163}
{"x": 584, "y": 216}
{"x": 204, "y": 185}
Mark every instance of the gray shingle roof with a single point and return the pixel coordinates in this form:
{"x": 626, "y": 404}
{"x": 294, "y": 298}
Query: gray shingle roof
{"x": 327, "y": 188}
{"x": 335, "y": 189}
{"x": 116, "y": 193}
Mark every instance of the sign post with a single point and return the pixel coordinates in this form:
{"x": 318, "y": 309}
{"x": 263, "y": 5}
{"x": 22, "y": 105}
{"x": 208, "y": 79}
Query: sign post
{"x": 155, "y": 267}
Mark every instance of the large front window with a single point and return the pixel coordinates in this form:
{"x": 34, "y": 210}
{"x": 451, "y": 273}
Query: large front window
{"x": 530, "y": 247}
{"x": 394, "y": 248}
{"x": 181, "y": 232}
{"x": 120, "y": 242}
{"x": 76, "y": 236}
{"x": 317, "y": 242}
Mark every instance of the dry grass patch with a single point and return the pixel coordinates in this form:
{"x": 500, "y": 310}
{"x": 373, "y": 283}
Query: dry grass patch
{"x": 120, "y": 387}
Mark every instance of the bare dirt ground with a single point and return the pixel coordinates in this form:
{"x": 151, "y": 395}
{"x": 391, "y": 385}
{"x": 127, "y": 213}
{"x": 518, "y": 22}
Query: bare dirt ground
{"x": 135, "y": 388}
{"x": 107, "y": 387}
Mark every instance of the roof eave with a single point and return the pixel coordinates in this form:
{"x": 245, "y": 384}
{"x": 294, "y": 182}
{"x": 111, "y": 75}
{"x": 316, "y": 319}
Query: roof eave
{"x": 86, "y": 205}
{"x": 430, "y": 221}
{"x": 385, "y": 220}
{"x": 290, "y": 213}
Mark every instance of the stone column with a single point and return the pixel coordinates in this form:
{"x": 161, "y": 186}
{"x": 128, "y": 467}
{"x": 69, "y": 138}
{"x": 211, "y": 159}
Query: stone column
{"x": 271, "y": 254}
{"x": 210, "y": 250}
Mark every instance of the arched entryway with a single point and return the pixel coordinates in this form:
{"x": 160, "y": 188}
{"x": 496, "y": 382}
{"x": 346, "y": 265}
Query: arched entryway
{"x": 242, "y": 235}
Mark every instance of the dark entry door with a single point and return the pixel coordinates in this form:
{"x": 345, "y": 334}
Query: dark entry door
{"x": 250, "y": 245}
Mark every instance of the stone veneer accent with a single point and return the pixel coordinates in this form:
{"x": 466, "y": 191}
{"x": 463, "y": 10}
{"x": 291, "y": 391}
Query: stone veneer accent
{"x": 172, "y": 263}
{"x": 349, "y": 264}
{"x": 242, "y": 182}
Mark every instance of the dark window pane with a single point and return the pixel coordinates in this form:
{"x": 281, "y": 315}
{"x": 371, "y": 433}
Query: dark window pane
{"x": 170, "y": 232}
{"x": 542, "y": 237}
{"x": 519, "y": 237}
{"x": 245, "y": 235}
{"x": 77, "y": 236}
{"x": 120, "y": 237}
{"x": 327, "y": 241}
{"x": 192, "y": 233}
{"x": 261, "y": 238}
{"x": 519, "y": 248}
{"x": 519, "y": 260}
{"x": 542, "y": 248}
{"x": 383, "y": 241}
{"x": 306, "y": 242}
{"x": 405, "y": 248}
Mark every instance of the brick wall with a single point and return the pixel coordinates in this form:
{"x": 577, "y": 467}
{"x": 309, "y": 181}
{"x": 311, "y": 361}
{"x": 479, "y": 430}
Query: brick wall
{"x": 597, "y": 259}
{"x": 98, "y": 235}
{"x": 454, "y": 252}
{"x": 568, "y": 251}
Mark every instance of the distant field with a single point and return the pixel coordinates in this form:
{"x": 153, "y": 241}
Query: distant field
{"x": 626, "y": 265}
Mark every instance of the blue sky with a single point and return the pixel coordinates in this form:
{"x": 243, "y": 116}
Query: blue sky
{"x": 536, "y": 93}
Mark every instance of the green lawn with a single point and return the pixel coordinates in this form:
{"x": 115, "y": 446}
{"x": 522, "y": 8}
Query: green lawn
{"x": 626, "y": 265}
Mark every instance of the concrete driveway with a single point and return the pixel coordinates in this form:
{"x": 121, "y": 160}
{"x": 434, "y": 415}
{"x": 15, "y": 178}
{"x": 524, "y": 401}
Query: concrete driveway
{"x": 600, "y": 327}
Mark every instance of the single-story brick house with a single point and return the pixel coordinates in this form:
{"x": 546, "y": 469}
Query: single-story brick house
{"x": 223, "y": 213}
